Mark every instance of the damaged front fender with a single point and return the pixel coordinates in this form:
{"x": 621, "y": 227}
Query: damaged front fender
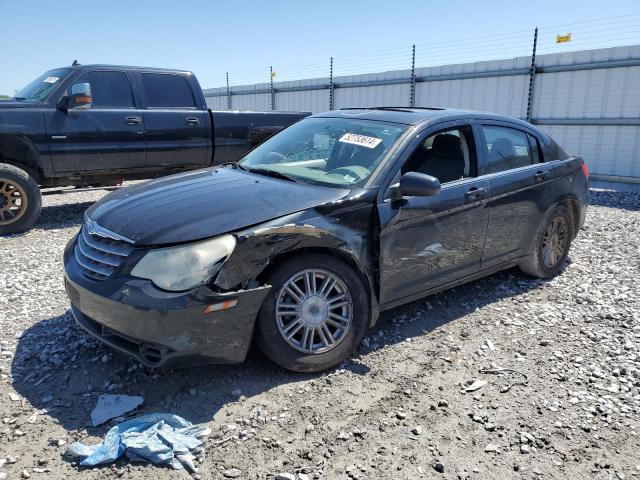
{"x": 347, "y": 233}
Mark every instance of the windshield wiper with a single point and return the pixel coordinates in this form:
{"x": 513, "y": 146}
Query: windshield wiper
{"x": 272, "y": 173}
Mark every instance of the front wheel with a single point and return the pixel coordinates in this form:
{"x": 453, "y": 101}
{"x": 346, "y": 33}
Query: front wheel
{"x": 20, "y": 200}
{"x": 315, "y": 315}
{"x": 550, "y": 246}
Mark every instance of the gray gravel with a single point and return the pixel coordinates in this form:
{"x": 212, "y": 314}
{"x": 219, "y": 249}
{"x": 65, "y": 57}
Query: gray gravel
{"x": 507, "y": 377}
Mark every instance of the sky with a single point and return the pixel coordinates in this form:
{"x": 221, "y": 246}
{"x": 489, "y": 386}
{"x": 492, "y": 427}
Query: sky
{"x": 296, "y": 37}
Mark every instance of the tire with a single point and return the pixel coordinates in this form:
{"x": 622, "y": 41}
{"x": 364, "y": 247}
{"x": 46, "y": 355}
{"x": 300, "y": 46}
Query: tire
{"x": 16, "y": 184}
{"x": 291, "y": 355}
{"x": 542, "y": 264}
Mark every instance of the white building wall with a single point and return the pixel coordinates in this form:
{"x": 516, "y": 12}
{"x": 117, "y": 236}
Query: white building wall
{"x": 588, "y": 94}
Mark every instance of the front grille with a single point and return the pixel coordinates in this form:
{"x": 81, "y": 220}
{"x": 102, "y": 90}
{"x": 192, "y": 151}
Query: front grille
{"x": 98, "y": 254}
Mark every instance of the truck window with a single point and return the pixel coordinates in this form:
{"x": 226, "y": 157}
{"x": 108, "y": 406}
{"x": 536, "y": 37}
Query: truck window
{"x": 167, "y": 90}
{"x": 108, "y": 89}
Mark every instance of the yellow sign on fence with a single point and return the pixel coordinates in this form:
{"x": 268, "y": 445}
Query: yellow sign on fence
{"x": 563, "y": 38}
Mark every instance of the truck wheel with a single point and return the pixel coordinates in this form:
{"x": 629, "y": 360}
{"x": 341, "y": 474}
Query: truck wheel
{"x": 20, "y": 200}
{"x": 315, "y": 315}
{"x": 551, "y": 244}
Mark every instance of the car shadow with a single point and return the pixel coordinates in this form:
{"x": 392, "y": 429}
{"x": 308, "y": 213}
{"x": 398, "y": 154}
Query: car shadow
{"x": 60, "y": 368}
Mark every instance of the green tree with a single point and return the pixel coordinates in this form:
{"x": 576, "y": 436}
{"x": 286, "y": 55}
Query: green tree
{"x": 4, "y": 97}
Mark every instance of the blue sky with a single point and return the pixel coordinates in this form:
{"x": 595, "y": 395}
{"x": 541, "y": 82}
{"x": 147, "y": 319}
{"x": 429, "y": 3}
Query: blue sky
{"x": 297, "y": 37}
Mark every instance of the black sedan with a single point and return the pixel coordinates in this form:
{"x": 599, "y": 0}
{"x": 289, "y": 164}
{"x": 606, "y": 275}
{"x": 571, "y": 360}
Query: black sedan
{"x": 303, "y": 242}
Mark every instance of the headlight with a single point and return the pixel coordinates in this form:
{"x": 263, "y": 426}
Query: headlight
{"x": 186, "y": 266}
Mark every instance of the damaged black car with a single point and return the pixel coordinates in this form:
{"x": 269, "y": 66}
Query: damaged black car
{"x": 301, "y": 244}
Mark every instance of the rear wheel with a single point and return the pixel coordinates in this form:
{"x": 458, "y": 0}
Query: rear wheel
{"x": 20, "y": 200}
{"x": 315, "y": 314}
{"x": 551, "y": 244}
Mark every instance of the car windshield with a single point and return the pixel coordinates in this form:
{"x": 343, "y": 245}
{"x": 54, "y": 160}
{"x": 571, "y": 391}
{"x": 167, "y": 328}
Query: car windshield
{"x": 326, "y": 151}
{"x": 43, "y": 85}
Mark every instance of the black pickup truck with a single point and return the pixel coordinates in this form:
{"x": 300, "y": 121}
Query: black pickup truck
{"x": 97, "y": 125}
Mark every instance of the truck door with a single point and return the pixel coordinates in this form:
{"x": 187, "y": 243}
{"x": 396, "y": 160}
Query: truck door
{"x": 178, "y": 132}
{"x": 106, "y": 134}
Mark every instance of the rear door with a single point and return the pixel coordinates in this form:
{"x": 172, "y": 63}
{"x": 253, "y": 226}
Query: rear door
{"x": 430, "y": 241}
{"x": 108, "y": 134}
{"x": 178, "y": 132}
{"x": 518, "y": 179}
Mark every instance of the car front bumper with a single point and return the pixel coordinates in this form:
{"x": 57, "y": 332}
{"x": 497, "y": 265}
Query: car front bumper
{"x": 163, "y": 328}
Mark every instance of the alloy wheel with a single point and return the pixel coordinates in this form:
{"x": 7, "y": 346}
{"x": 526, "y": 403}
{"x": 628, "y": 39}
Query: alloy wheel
{"x": 13, "y": 202}
{"x": 314, "y": 311}
{"x": 554, "y": 241}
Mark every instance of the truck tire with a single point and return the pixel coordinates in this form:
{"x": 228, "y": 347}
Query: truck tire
{"x": 550, "y": 245}
{"x": 315, "y": 315}
{"x": 20, "y": 200}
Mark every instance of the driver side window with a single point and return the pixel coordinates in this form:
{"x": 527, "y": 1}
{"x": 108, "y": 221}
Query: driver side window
{"x": 447, "y": 155}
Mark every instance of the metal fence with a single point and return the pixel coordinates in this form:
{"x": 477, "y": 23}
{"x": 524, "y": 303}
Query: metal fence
{"x": 589, "y": 100}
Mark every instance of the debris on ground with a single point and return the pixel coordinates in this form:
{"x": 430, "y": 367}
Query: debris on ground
{"x": 159, "y": 438}
{"x": 113, "y": 406}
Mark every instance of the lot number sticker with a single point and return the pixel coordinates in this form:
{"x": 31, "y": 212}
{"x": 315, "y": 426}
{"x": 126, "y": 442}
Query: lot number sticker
{"x": 51, "y": 79}
{"x": 361, "y": 140}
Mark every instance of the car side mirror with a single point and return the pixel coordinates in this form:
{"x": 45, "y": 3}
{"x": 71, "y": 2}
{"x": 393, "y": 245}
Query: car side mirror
{"x": 80, "y": 96}
{"x": 414, "y": 184}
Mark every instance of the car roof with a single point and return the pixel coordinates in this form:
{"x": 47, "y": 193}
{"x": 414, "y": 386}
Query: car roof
{"x": 100, "y": 66}
{"x": 416, "y": 115}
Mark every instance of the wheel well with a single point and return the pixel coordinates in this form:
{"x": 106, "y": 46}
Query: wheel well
{"x": 574, "y": 209}
{"x": 17, "y": 152}
{"x": 339, "y": 254}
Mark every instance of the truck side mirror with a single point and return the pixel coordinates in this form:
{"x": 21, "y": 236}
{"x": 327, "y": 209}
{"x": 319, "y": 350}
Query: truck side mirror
{"x": 63, "y": 103}
{"x": 80, "y": 96}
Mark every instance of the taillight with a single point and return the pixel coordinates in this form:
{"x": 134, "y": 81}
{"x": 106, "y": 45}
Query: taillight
{"x": 585, "y": 170}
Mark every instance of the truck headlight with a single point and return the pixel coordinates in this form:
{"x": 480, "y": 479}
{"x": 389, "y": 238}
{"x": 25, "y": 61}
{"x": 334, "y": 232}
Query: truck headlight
{"x": 185, "y": 266}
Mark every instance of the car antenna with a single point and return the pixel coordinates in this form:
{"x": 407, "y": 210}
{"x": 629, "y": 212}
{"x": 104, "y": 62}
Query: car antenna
{"x": 75, "y": 63}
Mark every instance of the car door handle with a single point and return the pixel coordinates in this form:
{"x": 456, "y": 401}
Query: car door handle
{"x": 475, "y": 193}
{"x": 192, "y": 121}
{"x": 133, "y": 120}
{"x": 540, "y": 175}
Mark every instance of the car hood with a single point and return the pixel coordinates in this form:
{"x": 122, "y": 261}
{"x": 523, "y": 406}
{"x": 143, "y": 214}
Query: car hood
{"x": 204, "y": 203}
{"x": 16, "y": 104}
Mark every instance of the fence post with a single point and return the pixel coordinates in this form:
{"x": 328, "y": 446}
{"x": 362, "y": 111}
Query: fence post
{"x": 273, "y": 93}
{"x": 532, "y": 76}
{"x": 331, "y": 98}
{"x": 412, "y": 93}
{"x": 228, "y": 93}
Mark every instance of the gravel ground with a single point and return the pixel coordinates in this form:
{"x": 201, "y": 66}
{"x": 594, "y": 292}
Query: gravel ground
{"x": 402, "y": 408}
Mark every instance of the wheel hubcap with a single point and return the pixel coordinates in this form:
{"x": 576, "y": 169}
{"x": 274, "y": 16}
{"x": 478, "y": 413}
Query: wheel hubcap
{"x": 13, "y": 202}
{"x": 314, "y": 311}
{"x": 554, "y": 241}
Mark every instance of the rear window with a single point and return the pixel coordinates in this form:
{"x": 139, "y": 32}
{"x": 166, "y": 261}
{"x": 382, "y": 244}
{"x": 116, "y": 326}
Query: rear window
{"x": 167, "y": 91}
{"x": 506, "y": 148}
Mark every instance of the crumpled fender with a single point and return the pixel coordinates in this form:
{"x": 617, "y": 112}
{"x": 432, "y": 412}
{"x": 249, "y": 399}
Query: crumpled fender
{"x": 344, "y": 227}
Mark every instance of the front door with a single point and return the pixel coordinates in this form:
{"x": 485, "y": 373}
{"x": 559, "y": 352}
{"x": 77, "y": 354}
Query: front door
{"x": 433, "y": 240}
{"x": 107, "y": 134}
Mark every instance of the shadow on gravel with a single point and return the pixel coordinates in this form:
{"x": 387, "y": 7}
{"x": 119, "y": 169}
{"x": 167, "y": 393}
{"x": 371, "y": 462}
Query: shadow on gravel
{"x": 62, "y": 216}
{"x": 58, "y": 367}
